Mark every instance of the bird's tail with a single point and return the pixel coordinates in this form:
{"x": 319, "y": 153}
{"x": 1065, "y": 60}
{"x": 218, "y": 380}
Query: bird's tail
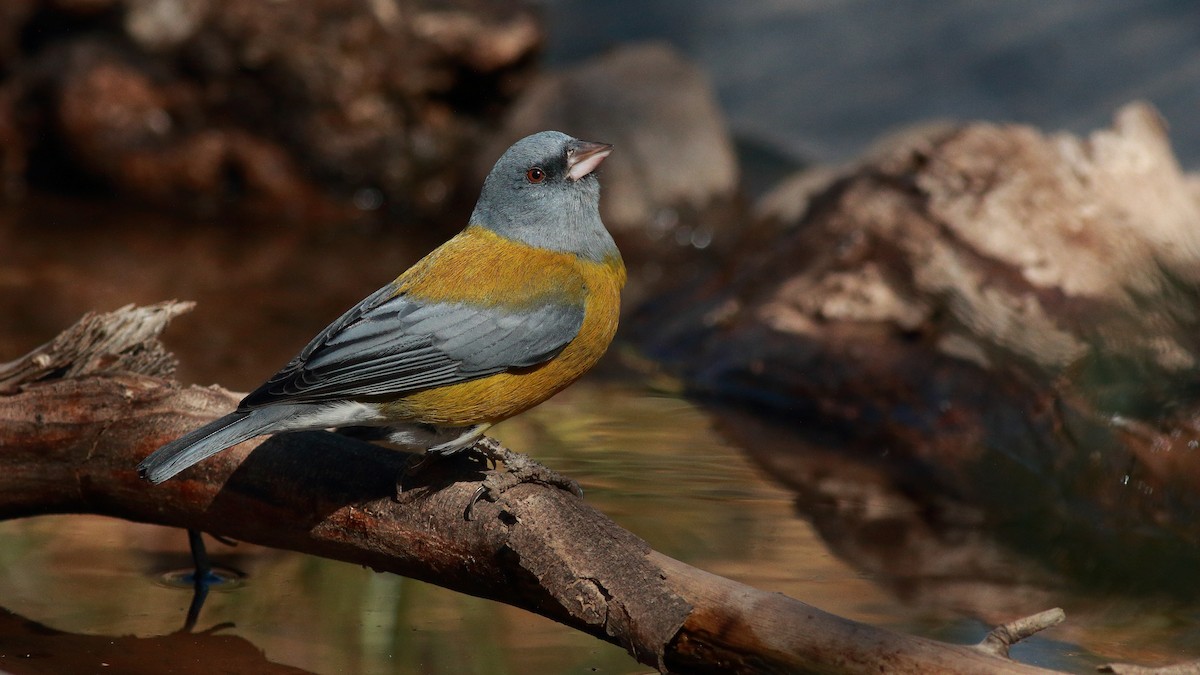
{"x": 208, "y": 440}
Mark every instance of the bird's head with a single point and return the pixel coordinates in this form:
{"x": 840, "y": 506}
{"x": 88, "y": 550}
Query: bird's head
{"x": 543, "y": 192}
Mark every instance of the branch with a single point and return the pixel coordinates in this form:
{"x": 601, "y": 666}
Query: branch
{"x": 124, "y": 340}
{"x": 1001, "y": 638}
{"x": 70, "y": 445}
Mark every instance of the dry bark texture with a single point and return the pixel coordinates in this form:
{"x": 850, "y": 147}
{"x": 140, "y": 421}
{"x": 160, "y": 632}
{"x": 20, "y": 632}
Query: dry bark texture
{"x": 981, "y": 311}
{"x": 71, "y": 444}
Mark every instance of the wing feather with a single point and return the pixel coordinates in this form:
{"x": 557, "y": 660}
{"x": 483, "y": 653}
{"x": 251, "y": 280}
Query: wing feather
{"x": 392, "y": 344}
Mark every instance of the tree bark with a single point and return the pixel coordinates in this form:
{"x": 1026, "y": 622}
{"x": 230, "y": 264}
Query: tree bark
{"x": 1007, "y": 313}
{"x": 70, "y": 445}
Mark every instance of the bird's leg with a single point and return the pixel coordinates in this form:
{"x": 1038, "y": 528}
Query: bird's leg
{"x": 416, "y": 463}
{"x": 440, "y": 442}
{"x": 519, "y": 469}
{"x": 203, "y": 576}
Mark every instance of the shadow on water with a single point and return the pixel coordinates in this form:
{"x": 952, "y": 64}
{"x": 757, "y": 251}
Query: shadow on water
{"x": 34, "y": 648}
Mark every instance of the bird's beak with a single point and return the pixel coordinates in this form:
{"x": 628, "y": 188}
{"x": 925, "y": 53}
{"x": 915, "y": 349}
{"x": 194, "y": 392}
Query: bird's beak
{"x": 584, "y": 156}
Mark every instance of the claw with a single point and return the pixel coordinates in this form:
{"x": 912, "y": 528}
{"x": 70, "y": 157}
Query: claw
{"x": 480, "y": 493}
{"x": 416, "y": 464}
{"x": 519, "y": 469}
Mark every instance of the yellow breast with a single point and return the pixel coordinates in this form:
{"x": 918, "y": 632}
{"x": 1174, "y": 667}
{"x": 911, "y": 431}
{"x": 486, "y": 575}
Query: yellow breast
{"x": 481, "y": 267}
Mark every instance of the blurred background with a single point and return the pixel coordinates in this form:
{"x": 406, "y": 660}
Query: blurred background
{"x": 923, "y": 461}
{"x": 820, "y": 81}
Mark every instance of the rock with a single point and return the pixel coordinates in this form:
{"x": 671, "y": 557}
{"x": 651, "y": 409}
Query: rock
{"x": 673, "y": 150}
{"x": 349, "y": 97}
{"x": 1001, "y": 312}
{"x": 118, "y": 125}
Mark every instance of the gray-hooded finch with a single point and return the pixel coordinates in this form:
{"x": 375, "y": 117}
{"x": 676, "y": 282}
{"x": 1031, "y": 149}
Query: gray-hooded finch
{"x": 491, "y": 323}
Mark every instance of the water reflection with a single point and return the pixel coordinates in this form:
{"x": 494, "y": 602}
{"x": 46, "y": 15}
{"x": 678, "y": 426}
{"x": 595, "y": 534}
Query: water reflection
{"x": 659, "y": 465}
{"x": 946, "y": 557}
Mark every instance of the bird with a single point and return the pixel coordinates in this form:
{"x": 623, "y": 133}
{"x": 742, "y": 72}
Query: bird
{"x": 502, "y": 316}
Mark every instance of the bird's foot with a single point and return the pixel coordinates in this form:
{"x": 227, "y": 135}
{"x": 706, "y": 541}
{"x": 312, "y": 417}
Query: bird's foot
{"x": 518, "y": 468}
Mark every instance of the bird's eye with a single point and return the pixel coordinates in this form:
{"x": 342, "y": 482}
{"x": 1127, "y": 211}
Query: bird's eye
{"x": 535, "y": 175}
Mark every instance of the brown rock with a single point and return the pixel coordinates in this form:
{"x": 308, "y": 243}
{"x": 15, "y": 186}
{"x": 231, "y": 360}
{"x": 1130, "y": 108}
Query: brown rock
{"x": 347, "y": 95}
{"x": 119, "y": 124}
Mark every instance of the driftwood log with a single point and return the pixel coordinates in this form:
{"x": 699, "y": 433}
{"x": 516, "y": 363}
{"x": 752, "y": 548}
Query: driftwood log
{"x": 77, "y": 414}
{"x": 1006, "y": 312}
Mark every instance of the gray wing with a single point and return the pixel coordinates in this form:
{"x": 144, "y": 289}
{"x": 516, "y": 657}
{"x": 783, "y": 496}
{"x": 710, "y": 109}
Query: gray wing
{"x": 388, "y": 345}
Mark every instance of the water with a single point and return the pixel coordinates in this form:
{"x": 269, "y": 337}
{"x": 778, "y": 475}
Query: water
{"x": 661, "y": 466}
{"x": 649, "y": 460}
